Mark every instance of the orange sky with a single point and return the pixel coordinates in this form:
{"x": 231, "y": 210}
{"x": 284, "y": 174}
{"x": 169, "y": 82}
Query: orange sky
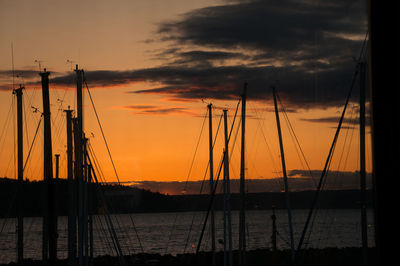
{"x": 145, "y": 145}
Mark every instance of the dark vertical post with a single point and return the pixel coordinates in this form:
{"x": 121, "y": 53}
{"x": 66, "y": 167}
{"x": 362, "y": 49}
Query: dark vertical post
{"x": 227, "y": 187}
{"x": 211, "y": 182}
{"x": 363, "y": 198}
{"x": 285, "y": 181}
{"x": 85, "y": 203}
{"x": 56, "y": 198}
{"x": 384, "y": 124}
{"x": 20, "y": 196}
{"x": 242, "y": 219}
{"x": 79, "y": 162}
{"x": 57, "y": 156}
{"x": 49, "y": 230}
{"x": 71, "y": 194}
{"x": 90, "y": 212}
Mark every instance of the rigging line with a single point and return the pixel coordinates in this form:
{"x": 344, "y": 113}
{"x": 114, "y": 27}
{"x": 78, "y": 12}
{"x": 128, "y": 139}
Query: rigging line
{"x": 197, "y": 146}
{"x": 101, "y": 128}
{"x": 109, "y": 220}
{"x": 339, "y": 165}
{"x": 33, "y": 142}
{"x": 215, "y": 186}
{"x": 295, "y": 136}
{"x": 97, "y": 166}
{"x": 332, "y": 147}
{"x": 221, "y": 161}
{"x": 202, "y": 183}
{"x": 265, "y": 139}
{"x": 96, "y": 162}
{"x": 208, "y": 164}
{"x": 26, "y": 123}
{"x": 103, "y": 235}
{"x": 6, "y": 126}
{"x": 136, "y": 232}
{"x": 351, "y": 140}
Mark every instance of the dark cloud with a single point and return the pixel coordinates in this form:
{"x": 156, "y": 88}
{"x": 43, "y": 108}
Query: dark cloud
{"x": 305, "y": 48}
{"x": 157, "y": 110}
{"x": 23, "y": 73}
{"x": 351, "y": 121}
{"x": 272, "y": 26}
{"x": 307, "y": 45}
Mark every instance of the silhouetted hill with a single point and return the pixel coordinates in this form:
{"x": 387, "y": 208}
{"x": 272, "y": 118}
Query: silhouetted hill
{"x": 123, "y": 199}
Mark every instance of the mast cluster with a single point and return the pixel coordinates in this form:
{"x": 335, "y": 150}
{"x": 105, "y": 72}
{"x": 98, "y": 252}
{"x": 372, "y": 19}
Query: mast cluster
{"x": 80, "y": 175}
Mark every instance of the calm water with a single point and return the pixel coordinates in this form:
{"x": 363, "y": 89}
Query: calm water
{"x": 170, "y": 232}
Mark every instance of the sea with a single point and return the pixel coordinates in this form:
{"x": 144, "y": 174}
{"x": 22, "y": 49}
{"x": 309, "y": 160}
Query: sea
{"x": 179, "y": 232}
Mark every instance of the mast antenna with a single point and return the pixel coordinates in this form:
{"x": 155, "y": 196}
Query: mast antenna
{"x": 39, "y": 63}
{"x": 70, "y": 62}
{"x": 12, "y": 63}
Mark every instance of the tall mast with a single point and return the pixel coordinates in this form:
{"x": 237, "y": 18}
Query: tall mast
{"x": 90, "y": 211}
{"x": 79, "y": 163}
{"x": 364, "y": 232}
{"x": 57, "y": 156}
{"x": 71, "y": 194}
{"x": 278, "y": 125}
{"x": 242, "y": 220}
{"x": 20, "y": 196}
{"x": 85, "y": 203}
{"x": 211, "y": 181}
{"x": 227, "y": 190}
{"x": 49, "y": 229}
{"x": 56, "y": 201}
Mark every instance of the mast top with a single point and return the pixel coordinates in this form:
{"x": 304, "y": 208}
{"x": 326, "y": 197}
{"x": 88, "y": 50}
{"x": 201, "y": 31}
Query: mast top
{"x": 45, "y": 73}
{"x": 19, "y": 90}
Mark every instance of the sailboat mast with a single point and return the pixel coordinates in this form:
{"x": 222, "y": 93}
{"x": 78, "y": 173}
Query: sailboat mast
{"x": 20, "y": 196}
{"x": 79, "y": 163}
{"x": 49, "y": 225}
{"x": 287, "y": 198}
{"x": 71, "y": 194}
{"x": 242, "y": 219}
{"x": 85, "y": 203}
{"x": 211, "y": 182}
{"x": 227, "y": 190}
{"x": 364, "y": 233}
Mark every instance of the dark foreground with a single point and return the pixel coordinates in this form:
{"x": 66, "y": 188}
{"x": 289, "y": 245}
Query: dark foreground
{"x": 309, "y": 257}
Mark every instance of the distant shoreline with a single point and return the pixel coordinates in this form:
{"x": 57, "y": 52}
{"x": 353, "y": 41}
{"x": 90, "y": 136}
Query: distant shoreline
{"x": 122, "y": 199}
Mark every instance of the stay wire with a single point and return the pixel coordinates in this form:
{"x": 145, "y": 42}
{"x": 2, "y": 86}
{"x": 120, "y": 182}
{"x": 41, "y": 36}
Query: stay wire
{"x": 215, "y": 186}
{"x": 101, "y": 128}
{"x": 187, "y": 178}
{"x": 104, "y": 202}
{"x": 293, "y": 133}
{"x": 33, "y": 142}
{"x": 327, "y": 163}
{"x": 202, "y": 185}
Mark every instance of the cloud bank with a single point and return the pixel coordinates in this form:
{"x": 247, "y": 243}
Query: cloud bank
{"x": 305, "y": 48}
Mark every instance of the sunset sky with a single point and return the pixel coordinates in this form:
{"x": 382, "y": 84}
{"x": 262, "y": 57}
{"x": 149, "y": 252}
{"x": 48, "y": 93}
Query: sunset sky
{"x": 153, "y": 66}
